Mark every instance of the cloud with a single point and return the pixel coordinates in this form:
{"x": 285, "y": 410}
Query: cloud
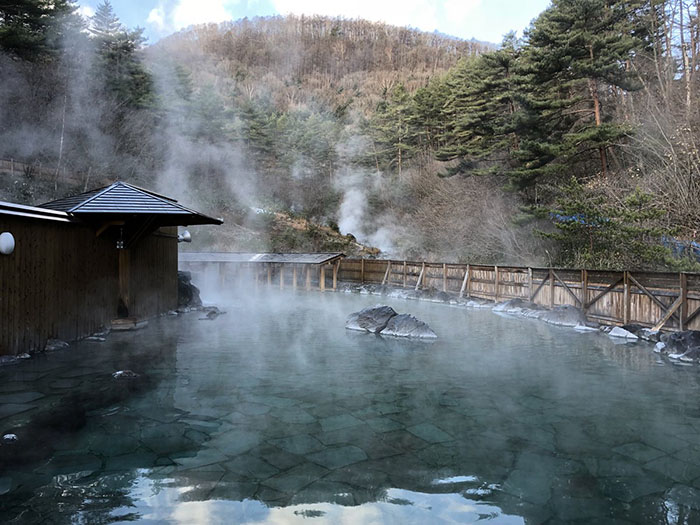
{"x": 173, "y": 15}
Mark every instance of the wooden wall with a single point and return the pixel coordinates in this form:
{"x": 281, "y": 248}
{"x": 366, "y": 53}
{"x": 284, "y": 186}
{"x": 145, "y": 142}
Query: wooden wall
{"x": 62, "y": 282}
{"x": 645, "y": 298}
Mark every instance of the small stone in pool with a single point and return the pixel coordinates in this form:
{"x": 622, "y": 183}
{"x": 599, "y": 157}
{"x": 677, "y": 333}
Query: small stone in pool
{"x": 125, "y": 374}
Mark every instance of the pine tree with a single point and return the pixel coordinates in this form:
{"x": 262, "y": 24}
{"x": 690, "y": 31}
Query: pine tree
{"x": 576, "y": 51}
{"x": 121, "y": 67}
{"x": 479, "y": 111}
{"x": 32, "y": 29}
{"x": 394, "y": 131}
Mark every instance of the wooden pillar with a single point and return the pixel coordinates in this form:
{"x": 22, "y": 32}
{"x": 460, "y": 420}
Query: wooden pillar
{"x": 626, "y": 306}
{"x": 495, "y": 284}
{"x": 404, "y": 274}
{"x": 124, "y": 283}
{"x": 269, "y": 274}
{"x": 551, "y": 288}
{"x": 308, "y": 277}
{"x": 464, "y": 282}
{"x": 282, "y": 276}
{"x": 322, "y": 278}
{"x": 362, "y": 270}
{"x": 444, "y": 277}
{"x": 584, "y": 290}
{"x": 684, "y": 301}
{"x": 469, "y": 280}
{"x": 335, "y": 275}
{"x": 294, "y": 277}
{"x": 387, "y": 274}
{"x": 529, "y": 284}
{"x": 420, "y": 277}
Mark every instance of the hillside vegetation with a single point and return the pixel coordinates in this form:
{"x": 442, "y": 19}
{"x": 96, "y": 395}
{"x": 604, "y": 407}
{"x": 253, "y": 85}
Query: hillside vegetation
{"x": 576, "y": 145}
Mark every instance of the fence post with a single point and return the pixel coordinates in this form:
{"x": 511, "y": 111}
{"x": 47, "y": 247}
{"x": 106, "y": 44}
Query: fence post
{"x": 269, "y": 274}
{"x": 469, "y": 280}
{"x": 627, "y": 298}
{"x": 404, "y": 274}
{"x": 529, "y": 284}
{"x": 584, "y": 290}
{"x": 362, "y": 270}
{"x": 444, "y": 277}
{"x": 308, "y": 277}
{"x": 464, "y": 282}
{"x": 551, "y": 288}
{"x": 684, "y": 300}
{"x": 294, "y": 277}
{"x": 282, "y": 276}
{"x": 495, "y": 284}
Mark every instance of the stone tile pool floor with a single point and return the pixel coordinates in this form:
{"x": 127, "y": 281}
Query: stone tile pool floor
{"x": 273, "y": 413}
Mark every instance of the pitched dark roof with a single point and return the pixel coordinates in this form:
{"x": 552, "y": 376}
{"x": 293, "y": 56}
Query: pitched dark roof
{"x": 122, "y": 198}
{"x": 289, "y": 258}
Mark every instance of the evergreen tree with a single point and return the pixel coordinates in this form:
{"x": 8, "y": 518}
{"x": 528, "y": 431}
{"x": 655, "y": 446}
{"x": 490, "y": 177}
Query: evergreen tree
{"x": 32, "y": 29}
{"x": 576, "y": 51}
{"x": 393, "y": 127}
{"x": 480, "y": 110}
{"x": 594, "y": 232}
{"x": 121, "y": 67}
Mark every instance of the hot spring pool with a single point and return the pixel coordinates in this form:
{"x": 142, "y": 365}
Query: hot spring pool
{"x": 274, "y": 413}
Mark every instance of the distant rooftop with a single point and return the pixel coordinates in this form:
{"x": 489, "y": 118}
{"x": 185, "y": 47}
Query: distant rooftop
{"x": 287, "y": 258}
{"x": 122, "y": 198}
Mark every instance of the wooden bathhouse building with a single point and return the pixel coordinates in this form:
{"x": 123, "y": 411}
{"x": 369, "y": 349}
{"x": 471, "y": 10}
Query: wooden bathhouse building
{"x": 72, "y": 266}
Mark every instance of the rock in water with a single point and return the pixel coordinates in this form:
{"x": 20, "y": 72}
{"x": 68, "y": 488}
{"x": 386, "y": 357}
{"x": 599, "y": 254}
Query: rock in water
{"x": 125, "y": 374}
{"x": 371, "y": 319}
{"x": 187, "y": 293}
{"x": 622, "y": 333}
{"x": 682, "y": 345}
{"x": 566, "y": 315}
{"x": 405, "y": 325}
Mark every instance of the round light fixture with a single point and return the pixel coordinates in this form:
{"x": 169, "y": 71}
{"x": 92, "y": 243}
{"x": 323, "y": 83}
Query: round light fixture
{"x": 7, "y": 243}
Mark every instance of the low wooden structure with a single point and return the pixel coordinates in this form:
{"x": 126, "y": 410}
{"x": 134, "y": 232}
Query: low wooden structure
{"x": 291, "y": 270}
{"x": 80, "y": 263}
{"x": 669, "y": 301}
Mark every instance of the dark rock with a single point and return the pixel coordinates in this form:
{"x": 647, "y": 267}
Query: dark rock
{"x": 9, "y": 438}
{"x": 684, "y": 346}
{"x": 55, "y": 344}
{"x": 187, "y": 293}
{"x": 443, "y": 296}
{"x": 371, "y": 319}
{"x": 405, "y": 325}
{"x": 516, "y": 306}
{"x": 211, "y": 313}
{"x": 566, "y": 315}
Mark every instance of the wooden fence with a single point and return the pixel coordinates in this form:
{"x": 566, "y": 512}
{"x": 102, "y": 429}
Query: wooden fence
{"x": 658, "y": 300}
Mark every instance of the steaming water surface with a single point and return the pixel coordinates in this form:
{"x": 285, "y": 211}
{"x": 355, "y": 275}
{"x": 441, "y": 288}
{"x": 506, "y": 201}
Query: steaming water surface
{"x": 275, "y": 413}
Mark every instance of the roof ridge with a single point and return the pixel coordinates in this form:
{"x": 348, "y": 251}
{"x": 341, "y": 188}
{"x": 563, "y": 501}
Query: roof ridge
{"x": 90, "y": 199}
{"x": 163, "y": 199}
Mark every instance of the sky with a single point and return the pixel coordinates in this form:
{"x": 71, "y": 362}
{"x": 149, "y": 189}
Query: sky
{"x": 486, "y": 20}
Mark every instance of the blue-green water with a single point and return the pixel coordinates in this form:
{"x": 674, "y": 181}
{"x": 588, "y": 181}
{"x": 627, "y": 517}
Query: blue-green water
{"x": 274, "y": 413}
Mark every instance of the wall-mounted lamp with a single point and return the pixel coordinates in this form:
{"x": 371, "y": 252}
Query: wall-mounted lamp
{"x": 7, "y": 243}
{"x": 184, "y": 237}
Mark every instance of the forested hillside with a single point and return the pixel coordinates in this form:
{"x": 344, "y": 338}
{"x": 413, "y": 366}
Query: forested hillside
{"x": 575, "y": 145}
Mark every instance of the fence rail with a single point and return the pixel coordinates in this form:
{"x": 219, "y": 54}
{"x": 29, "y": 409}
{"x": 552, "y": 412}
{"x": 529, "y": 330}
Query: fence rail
{"x": 668, "y": 301}
{"x": 659, "y": 300}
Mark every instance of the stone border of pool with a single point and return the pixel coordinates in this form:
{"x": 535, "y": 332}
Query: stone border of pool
{"x": 681, "y": 347}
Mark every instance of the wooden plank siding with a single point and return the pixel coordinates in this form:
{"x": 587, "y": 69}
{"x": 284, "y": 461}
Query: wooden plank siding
{"x": 636, "y": 297}
{"x": 62, "y": 282}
